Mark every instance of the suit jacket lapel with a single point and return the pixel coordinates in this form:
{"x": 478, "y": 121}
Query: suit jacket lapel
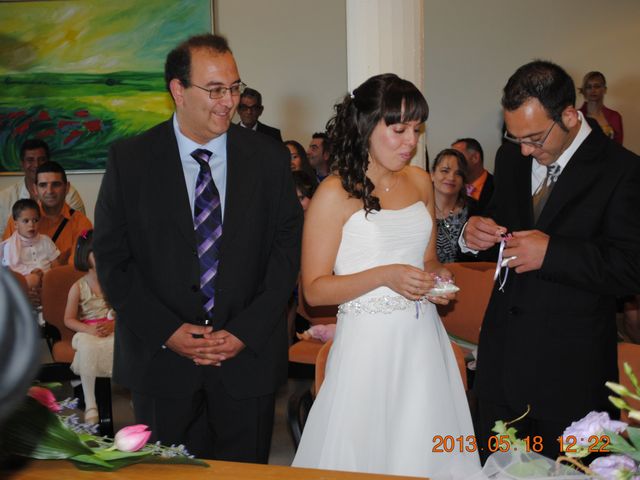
{"x": 576, "y": 179}
{"x": 241, "y": 178}
{"x": 172, "y": 184}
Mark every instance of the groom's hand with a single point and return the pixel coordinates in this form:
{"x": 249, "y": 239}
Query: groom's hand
{"x": 226, "y": 346}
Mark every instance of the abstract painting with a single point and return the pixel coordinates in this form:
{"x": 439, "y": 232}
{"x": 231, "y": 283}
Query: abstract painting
{"x": 80, "y": 74}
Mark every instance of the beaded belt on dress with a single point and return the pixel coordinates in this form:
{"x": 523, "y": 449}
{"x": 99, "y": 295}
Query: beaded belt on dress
{"x": 386, "y": 304}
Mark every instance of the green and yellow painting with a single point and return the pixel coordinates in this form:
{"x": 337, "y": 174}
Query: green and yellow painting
{"x": 80, "y": 74}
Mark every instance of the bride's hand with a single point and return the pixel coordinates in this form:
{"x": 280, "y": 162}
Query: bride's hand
{"x": 409, "y": 281}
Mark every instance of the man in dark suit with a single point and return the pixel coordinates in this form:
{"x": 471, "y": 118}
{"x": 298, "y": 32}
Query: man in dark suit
{"x": 548, "y": 341}
{"x": 201, "y": 350}
{"x": 250, "y": 109}
{"x": 480, "y": 181}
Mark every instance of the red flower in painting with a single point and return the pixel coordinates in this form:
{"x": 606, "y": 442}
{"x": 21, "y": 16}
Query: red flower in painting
{"x": 93, "y": 125}
{"x": 82, "y": 113}
{"x": 72, "y": 136}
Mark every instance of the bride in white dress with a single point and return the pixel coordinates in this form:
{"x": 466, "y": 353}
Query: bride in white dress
{"x": 392, "y": 383}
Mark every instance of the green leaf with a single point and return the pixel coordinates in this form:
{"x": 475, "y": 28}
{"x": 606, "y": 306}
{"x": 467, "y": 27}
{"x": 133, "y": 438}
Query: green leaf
{"x": 92, "y": 460}
{"x": 34, "y": 431}
{"x": 634, "y": 436}
{"x": 110, "y": 455}
{"x": 632, "y": 377}
{"x": 617, "y": 444}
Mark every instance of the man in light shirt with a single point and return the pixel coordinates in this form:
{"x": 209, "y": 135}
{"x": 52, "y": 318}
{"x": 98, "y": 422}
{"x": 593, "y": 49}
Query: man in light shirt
{"x": 33, "y": 153}
{"x": 571, "y": 245}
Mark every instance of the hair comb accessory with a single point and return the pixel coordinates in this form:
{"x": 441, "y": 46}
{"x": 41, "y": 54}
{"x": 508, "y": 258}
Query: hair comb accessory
{"x": 351, "y": 94}
{"x": 84, "y": 234}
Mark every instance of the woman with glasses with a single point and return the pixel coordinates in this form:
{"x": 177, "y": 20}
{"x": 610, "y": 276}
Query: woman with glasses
{"x": 391, "y": 384}
{"x": 594, "y": 87}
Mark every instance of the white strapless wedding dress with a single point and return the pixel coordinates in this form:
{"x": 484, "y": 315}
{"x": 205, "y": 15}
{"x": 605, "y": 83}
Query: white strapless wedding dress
{"x": 392, "y": 382}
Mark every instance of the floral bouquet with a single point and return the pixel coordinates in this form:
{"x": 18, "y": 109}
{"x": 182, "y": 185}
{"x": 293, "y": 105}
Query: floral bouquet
{"x": 40, "y": 429}
{"x": 616, "y": 444}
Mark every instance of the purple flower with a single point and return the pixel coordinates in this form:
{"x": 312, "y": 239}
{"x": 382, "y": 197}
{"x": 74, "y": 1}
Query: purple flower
{"x": 593, "y": 424}
{"x": 614, "y": 467}
{"x": 132, "y": 438}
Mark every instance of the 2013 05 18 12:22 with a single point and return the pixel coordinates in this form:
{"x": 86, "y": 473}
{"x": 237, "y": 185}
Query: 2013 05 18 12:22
{"x": 495, "y": 443}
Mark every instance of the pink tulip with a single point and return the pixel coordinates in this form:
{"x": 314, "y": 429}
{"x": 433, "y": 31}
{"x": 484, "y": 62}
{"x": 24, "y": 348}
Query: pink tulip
{"x": 132, "y": 438}
{"x": 44, "y": 397}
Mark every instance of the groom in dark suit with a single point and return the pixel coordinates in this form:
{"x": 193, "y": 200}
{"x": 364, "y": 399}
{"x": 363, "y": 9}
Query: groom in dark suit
{"x": 569, "y": 195}
{"x": 198, "y": 247}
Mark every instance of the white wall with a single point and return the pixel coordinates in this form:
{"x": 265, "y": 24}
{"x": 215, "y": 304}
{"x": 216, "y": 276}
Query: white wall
{"x": 471, "y": 49}
{"x": 294, "y": 52}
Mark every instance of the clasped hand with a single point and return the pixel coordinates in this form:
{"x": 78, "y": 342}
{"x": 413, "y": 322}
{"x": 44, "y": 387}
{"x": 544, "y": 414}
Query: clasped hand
{"x": 414, "y": 284}
{"x": 212, "y": 348}
{"x": 526, "y": 249}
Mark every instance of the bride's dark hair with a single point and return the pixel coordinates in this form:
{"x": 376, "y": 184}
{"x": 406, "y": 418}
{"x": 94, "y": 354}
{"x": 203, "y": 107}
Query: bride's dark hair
{"x": 386, "y": 97}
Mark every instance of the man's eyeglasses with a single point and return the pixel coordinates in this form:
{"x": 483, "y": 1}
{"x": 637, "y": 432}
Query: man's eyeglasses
{"x": 247, "y": 108}
{"x": 220, "y": 91}
{"x": 529, "y": 143}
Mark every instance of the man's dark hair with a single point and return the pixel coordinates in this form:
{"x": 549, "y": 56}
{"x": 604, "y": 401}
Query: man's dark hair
{"x": 473, "y": 145}
{"x": 51, "y": 167}
{"x": 178, "y": 63}
{"x": 22, "y": 205}
{"x": 549, "y": 83}
{"x": 252, "y": 93}
{"x": 32, "y": 144}
{"x": 325, "y": 140}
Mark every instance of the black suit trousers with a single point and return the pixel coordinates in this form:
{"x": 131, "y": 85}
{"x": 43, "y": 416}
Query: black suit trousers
{"x": 210, "y": 422}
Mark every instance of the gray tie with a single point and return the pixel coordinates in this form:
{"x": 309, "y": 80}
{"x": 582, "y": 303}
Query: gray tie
{"x": 541, "y": 195}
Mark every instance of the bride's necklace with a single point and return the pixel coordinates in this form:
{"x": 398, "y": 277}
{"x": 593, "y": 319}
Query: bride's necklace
{"x": 387, "y": 189}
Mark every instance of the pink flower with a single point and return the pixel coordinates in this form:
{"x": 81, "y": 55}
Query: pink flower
{"x": 44, "y": 397}
{"x": 132, "y": 438}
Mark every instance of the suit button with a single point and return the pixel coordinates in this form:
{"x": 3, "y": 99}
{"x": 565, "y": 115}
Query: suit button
{"x": 194, "y": 288}
{"x": 514, "y": 311}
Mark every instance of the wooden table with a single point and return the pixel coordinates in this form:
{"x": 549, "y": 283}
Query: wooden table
{"x": 63, "y": 470}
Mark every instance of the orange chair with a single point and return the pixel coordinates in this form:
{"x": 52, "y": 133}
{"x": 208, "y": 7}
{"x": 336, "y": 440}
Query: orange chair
{"x": 462, "y": 318}
{"x": 630, "y": 353}
{"x": 55, "y": 289}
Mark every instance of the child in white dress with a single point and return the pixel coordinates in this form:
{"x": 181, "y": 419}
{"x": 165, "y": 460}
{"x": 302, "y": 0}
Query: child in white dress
{"x": 26, "y": 251}
{"x": 89, "y": 314}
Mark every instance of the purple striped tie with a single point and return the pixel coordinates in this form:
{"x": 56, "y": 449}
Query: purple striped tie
{"x": 207, "y": 221}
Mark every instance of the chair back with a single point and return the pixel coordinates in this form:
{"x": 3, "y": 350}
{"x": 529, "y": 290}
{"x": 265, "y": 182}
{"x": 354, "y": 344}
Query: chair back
{"x": 463, "y": 317}
{"x": 462, "y": 364}
{"x": 321, "y": 364}
{"x": 56, "y": 284}
{"x": 630, "y": 353}
{"x": 324, "y": 314}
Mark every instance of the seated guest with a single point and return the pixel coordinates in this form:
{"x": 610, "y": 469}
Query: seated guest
{"x": 594, "y": 86}
{"x": 26, "y": 251}
{"x": 33, "y": 153}
{"x": 89, "y": 314}
{"x": 299, "y": 159}
{"x": 319, "y": 154}
{"x": 452, "y": 205}
{"x": 250, "y": 109}
{"x": 58, "y": 221}
{"x": 479, "y": 183}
